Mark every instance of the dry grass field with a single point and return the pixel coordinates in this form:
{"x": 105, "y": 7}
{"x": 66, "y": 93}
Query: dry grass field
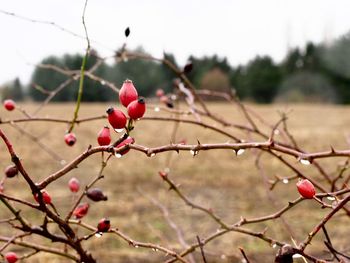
{"x": 229, "y": 184}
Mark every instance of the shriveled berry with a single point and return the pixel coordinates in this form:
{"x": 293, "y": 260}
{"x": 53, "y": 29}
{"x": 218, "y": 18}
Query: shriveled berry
{"x": 137, "y": 108}
{"x": 11, "y": 171}
{"x": 104, "y": 225}
{"x": 306, "y": 189}
{"x": 116, "y": 118}
{"x": 74, "y": 184}
{"x": 127, "y": 93}
{"x": 96, "y": 194}
{"x": 11, "y": 257}
{"x": 127, "y": 141}
{"x": 81, "y": 210}
{"x": 104, "y": 136}
{"x": 46, "y": 197}
{"x": 70, "y": 139}
{"x": 9, "y": 105}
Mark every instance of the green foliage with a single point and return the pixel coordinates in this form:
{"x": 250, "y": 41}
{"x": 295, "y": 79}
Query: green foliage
{"x": 13, "y": 90}
{"x": 202, "y": 65}
{"x": 305, "y": 86}
{"x": 258, "y": 80}
{"x": 216, "y": 80}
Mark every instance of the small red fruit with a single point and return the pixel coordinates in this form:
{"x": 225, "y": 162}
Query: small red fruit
{"x": 127, "y": 93}
{"x": 116, "y": 118}
{"x": 81, "y": 210}
{"x": 46, "y": 197}
{"x": 104, "y": 136}
{"x": 137, "y": 108}
{"x": 74, "y": 184}
{"x": 127, "y": 141}
{"x": 11, "y": 171}
{"x": 306, "y": 189}
{"x": 70, "y": 139}
{"x": 9, "y": 105}
{"x": 96, "y": 194}
{"x": 159, "y": 93}
{"x": 104, "y": 225}
{"x": 11, "y": 257}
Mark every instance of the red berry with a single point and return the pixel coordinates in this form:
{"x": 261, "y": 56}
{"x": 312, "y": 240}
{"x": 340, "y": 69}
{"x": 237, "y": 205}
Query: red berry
{"x": 70, "y": 139}
{"x": 81, "y": 210}
{"x": 104, "y": 136}
{"x": 137, "y": 108}
{"x": 9, "y": 105}
{"x": 116, "y": 118}
{"x": 96, "y": 194}
{"x": 74, "y": 185}
{"x": 11, "y": 171}
{"x": 128, "y": 140}
{"x": 159, "y": 93}
{"x": 104, "y": 225}
{"x": 306, "y": 189}
{"x": 46, "y": 197}
{"x": 127, "y": 93}
{"x": 11, "y": 257}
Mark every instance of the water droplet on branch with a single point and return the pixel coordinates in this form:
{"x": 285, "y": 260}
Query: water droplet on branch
{"x": 305, "y": 161}
{"x": 239, "y": 151}
{"x": 194, "y": 152}
{"x": 285, "y": 181}
{"x": 119, "y": 130}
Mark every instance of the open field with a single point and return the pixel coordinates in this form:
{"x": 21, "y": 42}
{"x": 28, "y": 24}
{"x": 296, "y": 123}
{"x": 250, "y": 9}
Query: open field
{"x": 229, "y": 184}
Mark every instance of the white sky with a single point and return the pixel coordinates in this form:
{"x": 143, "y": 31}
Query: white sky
{"x": 237, "y": 29}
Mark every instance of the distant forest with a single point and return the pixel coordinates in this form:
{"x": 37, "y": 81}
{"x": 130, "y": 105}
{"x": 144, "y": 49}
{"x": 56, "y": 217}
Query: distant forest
{"x": 315, "y": 73}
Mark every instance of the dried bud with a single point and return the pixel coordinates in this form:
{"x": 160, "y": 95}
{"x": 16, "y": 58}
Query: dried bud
{"x": 11, "y": 171}
{"x": 127, "y": 32}
{"x": 96, "y": 194}
{"x": 285, "y": 254}
{"x": 188, "y": 67}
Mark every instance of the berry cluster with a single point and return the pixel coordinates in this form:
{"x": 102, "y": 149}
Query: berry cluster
{"x": 135, "y": 106}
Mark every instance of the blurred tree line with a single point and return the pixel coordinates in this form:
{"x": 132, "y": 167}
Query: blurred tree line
{"x": 316, "y": 73}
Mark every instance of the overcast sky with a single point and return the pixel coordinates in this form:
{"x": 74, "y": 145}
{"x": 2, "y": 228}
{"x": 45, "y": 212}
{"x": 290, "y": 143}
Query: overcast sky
{"x": 237, "y": 29}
